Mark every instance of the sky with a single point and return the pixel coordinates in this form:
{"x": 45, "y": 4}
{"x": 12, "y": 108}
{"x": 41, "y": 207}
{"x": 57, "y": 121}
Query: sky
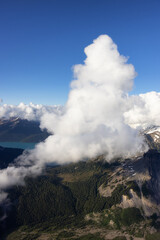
{"x": 43, "y": 44}
{"x": 41, "y": 41}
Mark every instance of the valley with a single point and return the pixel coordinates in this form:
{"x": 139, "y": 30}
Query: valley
{"x": 91, "y": 199}
{"x": 87, "y": 200}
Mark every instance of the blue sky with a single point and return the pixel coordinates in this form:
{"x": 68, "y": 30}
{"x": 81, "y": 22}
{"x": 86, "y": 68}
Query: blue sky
{"x": 40, "y": 41}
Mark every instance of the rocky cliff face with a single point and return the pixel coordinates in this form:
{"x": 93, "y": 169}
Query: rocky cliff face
{"x": 152, "y": 136}
{"x": 152, "y": 163}
{"x": 140, "y": 177}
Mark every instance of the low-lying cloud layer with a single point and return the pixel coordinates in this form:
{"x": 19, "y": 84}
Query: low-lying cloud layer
{"x": 31, "y": 112}
{"x": 143, "y": 110}
{"x": 98, "y": 118}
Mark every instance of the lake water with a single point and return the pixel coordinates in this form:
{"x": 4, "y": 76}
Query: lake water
{"x": 18, "y": 145}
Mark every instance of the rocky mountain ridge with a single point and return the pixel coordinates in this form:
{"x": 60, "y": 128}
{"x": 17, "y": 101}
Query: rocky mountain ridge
{"x": 21, "y": 130}
{"x": 152, "y": 135}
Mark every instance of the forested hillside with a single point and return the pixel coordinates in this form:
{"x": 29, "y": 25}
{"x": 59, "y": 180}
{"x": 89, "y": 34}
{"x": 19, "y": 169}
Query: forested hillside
{"x": 68, "y": 202}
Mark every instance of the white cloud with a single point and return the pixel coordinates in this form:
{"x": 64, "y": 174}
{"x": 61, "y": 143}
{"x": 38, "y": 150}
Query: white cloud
{"x": 93, "y": 121}
{"x": 143, "y": 110}
{"x": 30, "y": 112}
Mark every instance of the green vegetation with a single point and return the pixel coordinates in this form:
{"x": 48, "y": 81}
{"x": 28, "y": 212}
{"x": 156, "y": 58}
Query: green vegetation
{"x": 65, "y": 234}
{"x": 58, "y": 202}
{"x": 42, "y": 200}
{"x": 121, "y": 217}
{"x": 16, "y": 236}
{"x": 154, "y": 236}
{"x": 130, "y": 216}
{"x": 120, "y": 238}
{"x": 51, "y": 199}
{"x": 87, "y": 195}
{"x": 90, "y": 237}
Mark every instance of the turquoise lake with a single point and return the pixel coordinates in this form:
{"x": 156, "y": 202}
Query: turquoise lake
{"x": 18, "y": 145}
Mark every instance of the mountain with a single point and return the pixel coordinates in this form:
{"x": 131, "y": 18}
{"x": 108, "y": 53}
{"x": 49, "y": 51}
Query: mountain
{"x": 89, "y": 200}
{"x": 152, "y": 135}
{"x": 21, "y": 130}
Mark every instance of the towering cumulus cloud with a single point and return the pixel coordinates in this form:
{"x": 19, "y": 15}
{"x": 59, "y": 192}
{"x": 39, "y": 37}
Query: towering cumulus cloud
{"x": 93, "y": 119}
{"x": 92, "y": 122}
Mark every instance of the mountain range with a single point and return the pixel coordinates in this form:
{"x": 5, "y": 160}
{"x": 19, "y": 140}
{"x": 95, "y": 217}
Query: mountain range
{"x": 87, "y": 200}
